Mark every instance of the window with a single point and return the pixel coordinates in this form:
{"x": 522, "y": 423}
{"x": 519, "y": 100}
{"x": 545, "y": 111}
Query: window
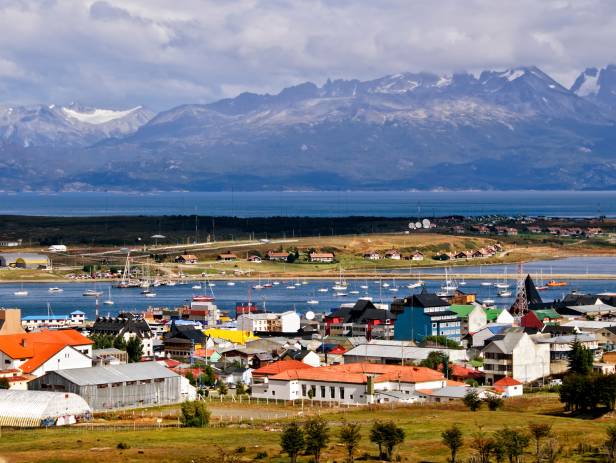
{"x": 351, "y": 397}
{"x": 303, "y": 390}
{"x": 313, "y": 389}
{"x": 322, "y": 392}
{"x": 116, "y": 385}
{"x": 342, "y": 393}
{"x": 332, "y": 392}
{"x": 102, "y": 386}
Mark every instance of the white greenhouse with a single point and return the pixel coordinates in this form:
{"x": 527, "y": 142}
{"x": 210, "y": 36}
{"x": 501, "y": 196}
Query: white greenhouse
{"x": 40, "y": 408}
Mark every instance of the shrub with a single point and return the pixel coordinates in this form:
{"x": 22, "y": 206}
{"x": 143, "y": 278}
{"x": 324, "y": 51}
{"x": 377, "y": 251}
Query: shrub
{"x": 195, "y": 414}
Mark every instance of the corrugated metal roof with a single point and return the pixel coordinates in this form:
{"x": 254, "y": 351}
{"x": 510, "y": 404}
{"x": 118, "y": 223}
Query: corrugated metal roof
{"x": 399, "y": 351}
{"x": 116, "y": 373}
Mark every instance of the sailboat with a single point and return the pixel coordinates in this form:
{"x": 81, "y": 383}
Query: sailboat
{"x": 542, "y": 286}
{"x": 92, "y": 292}
{"x": 417, "y": 284}
{"x": 450, "y": 285}
{"x": 394, "y": 288}
{"x": 109, "y": 301}
{"x": 197, "y": 286}
{"x": 21, "y": 292}
{"x": 484, "y": 283}
{"x": 258, "y": 285}
{"x": 55, "y": 289}
{"x": 503, "y": 284}
{"x": 341, "y": 284}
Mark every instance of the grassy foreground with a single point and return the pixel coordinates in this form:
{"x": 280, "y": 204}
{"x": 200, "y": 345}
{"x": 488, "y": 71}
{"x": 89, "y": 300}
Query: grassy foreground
{"x": 243, "y": 442}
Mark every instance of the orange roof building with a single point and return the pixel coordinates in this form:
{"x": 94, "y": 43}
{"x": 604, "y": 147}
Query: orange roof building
{"x": 38, "y": 352}
{"x": 349, "y": 383}
{"x": 278, "y": 367}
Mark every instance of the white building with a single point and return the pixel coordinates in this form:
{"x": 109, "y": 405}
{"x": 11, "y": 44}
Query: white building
{"x": 57, "y": 248}
{"x": 477, "y": 319}
{"x": 285, "y": 322}
{"x": 516, "y": 354}
{"x": 350, "y": 384}
{"x": 36, "y": 322}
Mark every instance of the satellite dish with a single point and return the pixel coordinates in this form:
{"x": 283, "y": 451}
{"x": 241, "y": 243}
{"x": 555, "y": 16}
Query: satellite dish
{"x": 411, "y": 225}
{"x": 425, "y": 223}
{"x": 310, "y": 315}
{"x": 417, "y": 224}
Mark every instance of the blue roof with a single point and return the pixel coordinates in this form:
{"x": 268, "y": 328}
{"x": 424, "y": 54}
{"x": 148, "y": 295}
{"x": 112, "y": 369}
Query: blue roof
{"x": 498, "y": 329}
{"x": 77, "y": 312}
{"x": 45, "y": 317}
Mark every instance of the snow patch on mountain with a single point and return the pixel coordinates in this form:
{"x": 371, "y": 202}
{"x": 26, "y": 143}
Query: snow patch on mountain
{"x": 513, "y": 74}
{"x": 98, "y": 116}
{"x": 590, "y": 85}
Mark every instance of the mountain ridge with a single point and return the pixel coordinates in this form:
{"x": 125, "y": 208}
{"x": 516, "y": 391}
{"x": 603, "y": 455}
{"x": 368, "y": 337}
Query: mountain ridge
{"x": 407, "y": 130}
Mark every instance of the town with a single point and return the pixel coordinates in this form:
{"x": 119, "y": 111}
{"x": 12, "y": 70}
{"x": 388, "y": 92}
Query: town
{"x": 419, "y": 347}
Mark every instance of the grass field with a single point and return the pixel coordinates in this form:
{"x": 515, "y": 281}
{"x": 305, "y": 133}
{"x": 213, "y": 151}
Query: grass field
{"x": 242, "y": 442}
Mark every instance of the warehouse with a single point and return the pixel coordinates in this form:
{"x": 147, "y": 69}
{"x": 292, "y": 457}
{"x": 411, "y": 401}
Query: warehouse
{"x": 38, "y": 408}
{"x": 25, "y": 260}
{"x": 116, "y": 386}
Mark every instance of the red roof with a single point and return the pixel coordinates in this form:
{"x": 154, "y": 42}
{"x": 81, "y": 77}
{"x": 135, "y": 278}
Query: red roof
{"x": 40, "y": 346}
{"x": 358, "y": 373}
{"x": 338, "y": 350}
{"x": 279, "y": 367}
{"x": 507, "y": 381}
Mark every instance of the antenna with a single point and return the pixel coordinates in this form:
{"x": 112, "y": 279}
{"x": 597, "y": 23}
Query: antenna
{"x": 520, "y": 306}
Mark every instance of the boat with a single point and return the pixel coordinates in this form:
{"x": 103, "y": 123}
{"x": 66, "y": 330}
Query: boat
{"x": 450, "y": 285}
{"x": 197, "y": 286}
{"x": 304, "y": 282}
{"x": 503, "y": 284}
{"x": 55, "y": 289}
{"x": 486, "y": 283}
{"x": 488, "y": 301}
{"x": 354, "y": 292}
{"x": 340, "y": 294}
{"x": 394, "y": 290}
{"x": 267, "y": 285}
{"x": 322, "y": 290}
{"x": 149, "y": 294}
{"x": 109, "y": 301}
{"x": 442, "y": 293}
{"x": 92, "y": 293}
{"x": 202, "y": 298}
{"x": 312, "y": 301}
{"x": 555, "y": 283}
{"x": 504, "y": 293}
{"x": 211, "y": 285}
{"x": 385, "y": 285}
{"x": 291, "y": 287}
{"x": 230, "y": 283}
{"x": 341, "y": 284}
{"x": 258, "y": 285}
{"x": 364, "y": 286}
{"x": 21, "y": 292}
{"x": 276, "y": 283}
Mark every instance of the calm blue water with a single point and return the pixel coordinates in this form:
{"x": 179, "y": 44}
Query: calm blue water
{"x": 316, "y": 204}
{"x": 276, "y": 299}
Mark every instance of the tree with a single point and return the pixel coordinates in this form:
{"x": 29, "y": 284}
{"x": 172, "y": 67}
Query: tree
{"x": 387, "y": 436}
{"x": 452, "y": 438}
{"x": 434, "y": 360}
{"x": 494, "y": 402}
{"x": 440, "y": 341}
{"x": 551, "y": 450}
{"x": 512, "y": 443}
{"x": 472, "y": 400}
{"x": 292, "y": 440}
{"x": 580, "y": 358}
{"x": 119, "y": 343}
{"x": 134, "y": 349}
{"x": 4, "y": 383}
{"x": 240, "y": 388}
{"x": 316, "y": 435}
{"x": 222, "y": 388}
{"x": 483, "y": 446}
{"x": 190, "y": 377}
{"x": 208, "y": 378}
{"x": 349, "y": 436}
{"x": 539, "y": 431}
{"x": 102, "y": 341}
{"x": 610, "y": 443}
{"x": 195, "y": 414}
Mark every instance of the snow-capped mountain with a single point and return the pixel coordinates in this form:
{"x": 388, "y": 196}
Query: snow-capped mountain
{"x": 515, "y": 128}
{"x": 597, "y": 85}
{"x": 71, "y": 125}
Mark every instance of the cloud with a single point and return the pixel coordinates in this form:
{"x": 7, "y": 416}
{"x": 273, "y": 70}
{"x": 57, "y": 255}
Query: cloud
{"x": 160, "y": 53}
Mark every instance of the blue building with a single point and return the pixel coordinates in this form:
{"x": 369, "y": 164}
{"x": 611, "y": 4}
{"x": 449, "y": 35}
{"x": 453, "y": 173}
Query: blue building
{"x": 423, "y": 315}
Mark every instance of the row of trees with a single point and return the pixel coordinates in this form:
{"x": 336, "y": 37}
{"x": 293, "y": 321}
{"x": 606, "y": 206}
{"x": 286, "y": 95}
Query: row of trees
{"x": 133, "y": 347}
{"x": 314, "y": 436}
{"x": 582, "y": 390}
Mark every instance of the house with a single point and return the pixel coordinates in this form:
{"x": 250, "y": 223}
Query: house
{"x": 39, "y": 352}
{"x": 186, "y": 259}
{"x": 372, "y": 255}
{"x": 76, "y": 318}
{"x": 285, "y": 322}
{"x": 126, "y": 326}
{"x": 116, "y": 386}
{"x": 397, "y": 352}
{"x": 463, "y": 255}
{"x": 588, "y": 311}
{"x": 247, "y": 357}
{"x": 515, "y": 354}
{"x": 533, "y": 229}
{"x": 182, "y": 340}
{"x": 360, "y": 319}
{"x": 277, "y": 256}
{"x": 109, "y": 356}
{"x": 254, "y": 259}
{"x": 357, "y": 383}
{"x": 509, "y": 387}
{"x": 416, "y": 256}
{"x": 472, "y": 317}
{"x": 392, "y": 254}
{"x": 226, "y": 257}
{"x": 322, "y": 257}
{"x": 423, "y": 315}
{"x": 306, "y": 356}
{"x": 560, "y": 347}
{"x": 481, "y": 337}
{"x": 25, "y": 260}
{"x": 7, "y": 243}
{"x": 606, "y": 337}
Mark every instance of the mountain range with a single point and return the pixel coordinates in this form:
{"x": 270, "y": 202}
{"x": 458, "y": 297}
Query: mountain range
{"x": 515, "y": 129}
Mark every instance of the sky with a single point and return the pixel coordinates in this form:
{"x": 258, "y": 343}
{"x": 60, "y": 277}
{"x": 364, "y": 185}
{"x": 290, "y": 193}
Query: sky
{"x": 161, "y": 53}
